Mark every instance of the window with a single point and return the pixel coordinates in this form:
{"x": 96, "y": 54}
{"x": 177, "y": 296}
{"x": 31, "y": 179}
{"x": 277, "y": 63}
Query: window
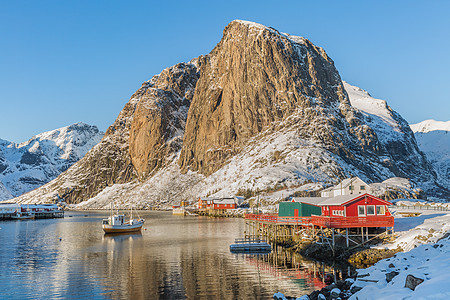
{"x": 370, "y": 210}
{"x": 362, "y": 188}
{"x": 351, "y": 188}
{"x": 361, "y": 210}
{"x": 381, "y": 210}
{"x": 338, "y": 213}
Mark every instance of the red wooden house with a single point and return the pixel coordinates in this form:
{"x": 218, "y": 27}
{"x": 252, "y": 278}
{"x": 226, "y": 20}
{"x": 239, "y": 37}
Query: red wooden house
{"x": 219, "y": 203}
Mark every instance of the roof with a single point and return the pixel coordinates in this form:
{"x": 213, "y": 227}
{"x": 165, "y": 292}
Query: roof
{"x": 344, "y": 183}
{"x": 309, "y": 200}
{"x": 224, "y": 201}
{"x": 206, "y": 198}
{"x": 338, "y": 200}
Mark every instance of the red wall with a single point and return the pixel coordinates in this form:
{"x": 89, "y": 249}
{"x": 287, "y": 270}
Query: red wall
{"x": 352, "y": 208}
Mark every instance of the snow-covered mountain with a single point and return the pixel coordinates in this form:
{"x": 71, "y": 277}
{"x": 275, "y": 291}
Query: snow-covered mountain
{"x": 433, "y": 138}
{"x": 263, "y": 111}
{"x": 28, "y": 165}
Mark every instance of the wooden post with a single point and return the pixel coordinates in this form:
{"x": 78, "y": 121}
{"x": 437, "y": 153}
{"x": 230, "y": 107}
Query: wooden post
{"x": 333, "y": 238}
{"x": 346, "y": 237}
{"x": 362, "y": 234}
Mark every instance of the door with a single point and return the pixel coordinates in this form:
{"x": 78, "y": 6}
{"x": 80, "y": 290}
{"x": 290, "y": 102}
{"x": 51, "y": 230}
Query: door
{"x": 296, "y": 213}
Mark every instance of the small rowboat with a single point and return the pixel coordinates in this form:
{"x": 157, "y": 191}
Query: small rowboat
{"x": 246, "y": 245}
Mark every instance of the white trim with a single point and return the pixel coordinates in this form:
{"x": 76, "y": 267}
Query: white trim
{"x": 364, "y": 207}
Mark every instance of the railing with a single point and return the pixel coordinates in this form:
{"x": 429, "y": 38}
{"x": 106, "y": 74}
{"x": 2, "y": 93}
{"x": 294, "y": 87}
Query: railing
{"x": 420, "y": 207}
{"x": 329, "y": 222}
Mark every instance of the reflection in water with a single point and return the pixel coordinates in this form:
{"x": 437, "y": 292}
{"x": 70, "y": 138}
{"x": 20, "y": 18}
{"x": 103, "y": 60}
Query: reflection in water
{"x": 175, "y": 257}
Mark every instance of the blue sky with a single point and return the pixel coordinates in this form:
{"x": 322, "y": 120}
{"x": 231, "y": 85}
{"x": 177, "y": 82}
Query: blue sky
{"x": 63, "y": 62}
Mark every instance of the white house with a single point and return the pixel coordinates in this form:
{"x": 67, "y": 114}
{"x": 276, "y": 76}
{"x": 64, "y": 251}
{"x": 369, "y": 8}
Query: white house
{"x": 349, "y": 186}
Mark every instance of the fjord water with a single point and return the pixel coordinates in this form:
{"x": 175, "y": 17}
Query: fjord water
{"x": 173, "y": 258}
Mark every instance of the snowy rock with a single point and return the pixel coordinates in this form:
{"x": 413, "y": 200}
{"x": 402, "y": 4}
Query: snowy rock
{"x": 334, "y": 293}
{"x": 412, "y": 282}
{"x": 279, "y": 296}
{"x": 391, "y": 275}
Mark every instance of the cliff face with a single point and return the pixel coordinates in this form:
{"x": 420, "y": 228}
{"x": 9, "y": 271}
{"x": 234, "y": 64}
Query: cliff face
{"x": 159, "y": 119}
{"x": 254, "y": 78}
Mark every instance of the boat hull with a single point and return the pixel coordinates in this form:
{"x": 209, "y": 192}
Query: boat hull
{"x": 26, "y": 217}
{"x": 122, "y": 228}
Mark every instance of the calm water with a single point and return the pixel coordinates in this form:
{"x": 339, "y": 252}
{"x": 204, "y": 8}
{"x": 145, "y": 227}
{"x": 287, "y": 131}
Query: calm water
{"x": 174, "y": 258}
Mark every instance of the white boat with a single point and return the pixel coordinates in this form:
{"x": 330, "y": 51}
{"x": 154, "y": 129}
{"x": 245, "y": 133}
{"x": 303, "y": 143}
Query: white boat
{"x": 22, "y": 216}
{"x": 117, "y": 224}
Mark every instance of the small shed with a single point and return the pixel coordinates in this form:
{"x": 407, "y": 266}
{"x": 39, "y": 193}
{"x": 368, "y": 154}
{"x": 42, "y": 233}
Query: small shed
{"x": 298, "y": 209}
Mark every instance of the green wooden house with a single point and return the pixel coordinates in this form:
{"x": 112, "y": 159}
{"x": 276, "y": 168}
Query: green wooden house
{"x": 298, "y": 209}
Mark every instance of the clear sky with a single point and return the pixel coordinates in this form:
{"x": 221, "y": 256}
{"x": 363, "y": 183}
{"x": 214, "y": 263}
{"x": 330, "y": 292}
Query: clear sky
{"x": 63, "y": 62}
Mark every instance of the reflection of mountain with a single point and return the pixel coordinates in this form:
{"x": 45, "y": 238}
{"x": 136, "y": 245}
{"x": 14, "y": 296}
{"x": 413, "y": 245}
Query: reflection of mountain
{"x": 174, "y": 258}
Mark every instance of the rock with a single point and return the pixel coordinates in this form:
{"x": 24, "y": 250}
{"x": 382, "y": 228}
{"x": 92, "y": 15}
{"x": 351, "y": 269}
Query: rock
{"x": 314, "y": 295}
{"x": 355, "y": 289}
{"x": 340, "y": 284}
{"x": 279, "y": 296}
{"x": 335, "y": 293}
{"x": 412, "y": 282}
{"x": 330, "y": 287}
{"x": 304, "y": 297}
{"x": 391, "y": 275}
{"x": 321, "y": 297}
{"x": 391, "y": 265}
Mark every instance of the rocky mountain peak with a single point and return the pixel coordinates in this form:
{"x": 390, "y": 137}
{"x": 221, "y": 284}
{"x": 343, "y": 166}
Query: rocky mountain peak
{"x": 254, "y": 78}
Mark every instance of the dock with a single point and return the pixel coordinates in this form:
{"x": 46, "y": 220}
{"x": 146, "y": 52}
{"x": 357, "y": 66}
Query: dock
{"x": 354, "y": 231}
{"x": 40, "y": 211}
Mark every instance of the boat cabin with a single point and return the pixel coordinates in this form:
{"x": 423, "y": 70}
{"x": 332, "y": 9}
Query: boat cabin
{"x": 114, "y": 220}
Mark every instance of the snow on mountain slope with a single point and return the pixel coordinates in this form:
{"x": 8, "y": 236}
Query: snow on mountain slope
{"x": 433, "y": 138}
{"x": 28, "y": 165}
{"x": 378, "y": 114}
{"x": 4, "y": 193}
{"x": 430, "y": 125}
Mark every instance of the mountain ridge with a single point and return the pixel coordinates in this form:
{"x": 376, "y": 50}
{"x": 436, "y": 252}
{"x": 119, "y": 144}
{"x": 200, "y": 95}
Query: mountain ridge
{"x": 262, "y": 110}
{"x": 28, "y": 165}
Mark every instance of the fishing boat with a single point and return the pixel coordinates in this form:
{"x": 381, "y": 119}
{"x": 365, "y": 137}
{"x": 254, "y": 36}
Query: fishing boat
{"x": 116, "y": 223}
{"x": 22, "y": 216}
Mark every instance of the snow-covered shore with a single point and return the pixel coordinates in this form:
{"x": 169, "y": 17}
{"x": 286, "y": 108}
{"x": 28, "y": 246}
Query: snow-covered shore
{"x": 425, "y": 261}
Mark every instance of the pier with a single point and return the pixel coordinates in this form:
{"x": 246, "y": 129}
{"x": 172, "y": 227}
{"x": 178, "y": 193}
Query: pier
{"x": 350, "y": 231}
{"x": 40, "y": 211}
